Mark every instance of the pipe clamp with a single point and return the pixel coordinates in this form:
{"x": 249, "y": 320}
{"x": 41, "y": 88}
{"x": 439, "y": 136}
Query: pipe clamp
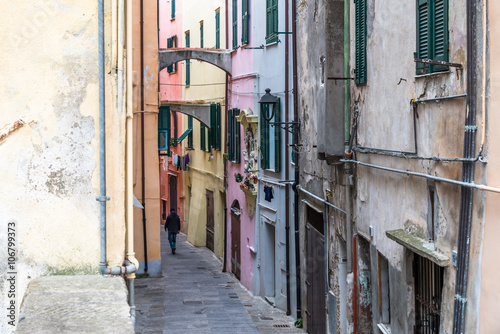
{"x": 103, "y": 198}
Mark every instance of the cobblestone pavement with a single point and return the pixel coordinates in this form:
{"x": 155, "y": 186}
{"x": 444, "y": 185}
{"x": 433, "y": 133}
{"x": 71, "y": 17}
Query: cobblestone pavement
{"x": 194, "y": 296}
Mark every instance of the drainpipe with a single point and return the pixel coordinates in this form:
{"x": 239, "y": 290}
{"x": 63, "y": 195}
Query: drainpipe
{"x": 354, "y": 287}
{"x": 144, "y": 229}
{"x": 467, "y": 176}
{"x": 128, "y": 267}
{"x": 224, "y": 260}
{"x": 297, "y": 175}
{"x": 287, "y": 163}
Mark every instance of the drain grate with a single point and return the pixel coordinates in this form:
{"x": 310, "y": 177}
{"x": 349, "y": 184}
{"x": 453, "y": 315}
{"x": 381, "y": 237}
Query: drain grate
{"x": 281, "y": 326}
{"x": 265, "y": 318}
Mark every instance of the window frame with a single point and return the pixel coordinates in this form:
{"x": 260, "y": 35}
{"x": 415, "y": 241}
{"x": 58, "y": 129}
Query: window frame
{"x": 164, "y": 125}
{"x": 245, "y": 21}
{"x": 172, "y": 43}
{"x": 271, "y": 21}
{"x": 267, "y": 144}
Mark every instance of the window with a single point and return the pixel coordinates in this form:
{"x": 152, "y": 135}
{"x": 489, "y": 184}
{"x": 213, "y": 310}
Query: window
{"x": 360, "y": 70}
{"x": 171, "y": 43}
{"x": 188, "y": 62}
{"x": 431, "y": 211}
{"x": 217, "y": 29}
{"x": 271, "y": 21}
{"x": 234, "y": 143}
{"x": 235, "y": 24}
{"x": 245, "y": 22}
{"x": 384, "y": 293}
{"x": 174, "y": 138}
{"x": 270, "y": 139}
{"x": 201, "y": 34}
{"x": 164, "y": 129}
{"x": 432, "y": 34}
{"x": 190, "y": 135}
{"x": 173, "y": 9}
{"x": 428, "y": 294}
{"x": 214, "y": 134}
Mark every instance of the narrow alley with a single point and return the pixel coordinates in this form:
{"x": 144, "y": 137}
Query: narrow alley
{"x": 195, "y": 296}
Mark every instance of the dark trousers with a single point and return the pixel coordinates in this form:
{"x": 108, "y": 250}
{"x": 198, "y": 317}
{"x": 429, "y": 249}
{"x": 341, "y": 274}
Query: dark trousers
{"x": 172, "y": 235}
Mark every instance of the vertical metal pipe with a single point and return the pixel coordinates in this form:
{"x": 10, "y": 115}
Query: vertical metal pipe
{"x": 287, "y": 162}
{"x": 224, "y": 260}
{"x": 102, "y": 138}
{"x": 297, "y": 158}
{"x": 354, "y": 286}
{"x": 143, "y": 182}
{"x": 131, "y": 298}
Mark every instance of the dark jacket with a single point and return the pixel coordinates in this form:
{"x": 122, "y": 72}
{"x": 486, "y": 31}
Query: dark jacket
{"x": 173, "y": 223}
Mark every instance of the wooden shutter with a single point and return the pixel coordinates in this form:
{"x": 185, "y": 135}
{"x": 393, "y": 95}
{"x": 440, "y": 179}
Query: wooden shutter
{"x": 230, "y": 135}
{"x": 277, "y": 137}
{"x": 423, "y": 35}
{"x": 235, "y": 24}
{"x": 170, "y": 43}
{"x": 190, "y": 136}
{"x": 173, "y": 9}
{"x": 188, "y": 62}
{"x": 202, "y": 137}
{"x": 201, "y": 34}
{"x": 164, "y": 129}
{"x": 264, "y": 137}
{"x": 271, "y": 21}
{"x": 440, "y": 25}
{"x": 174, "y": 38}
{"x": 360, "y": 71}
{"x": 237, "y": 138}
{"x": 217, "y": 29}
{"x": 245, "y": 22}
{"x": 218, "y": 139}
{"x": 175, "y": 134}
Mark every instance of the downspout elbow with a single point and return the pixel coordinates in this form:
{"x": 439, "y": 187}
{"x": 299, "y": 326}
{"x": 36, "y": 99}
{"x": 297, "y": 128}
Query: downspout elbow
{"x": 127, "y": 268}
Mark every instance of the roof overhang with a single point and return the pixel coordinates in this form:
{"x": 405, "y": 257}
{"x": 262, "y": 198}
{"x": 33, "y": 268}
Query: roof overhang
{"x": 419, "y": 246}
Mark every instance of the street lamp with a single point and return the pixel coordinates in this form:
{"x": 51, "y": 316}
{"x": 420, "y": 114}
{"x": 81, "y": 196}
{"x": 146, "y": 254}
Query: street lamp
{"x": 269, "y": 100}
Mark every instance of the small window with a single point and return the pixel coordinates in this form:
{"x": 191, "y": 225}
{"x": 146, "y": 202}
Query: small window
{"x": 217, "y": 29}
{"x": 384, "y": 293}
{"x": 271, "y": 21}
{"x": 432, "y": 34}
{"x": 164, "y": 130}
{"x": 245, "y": 21}
{"x": 188, "y": 62}
{"x": 190, "y": 136}
{"x": 173, "y": 9}
{"x": 171, "y": 43}
{"x": 360, "y": 70}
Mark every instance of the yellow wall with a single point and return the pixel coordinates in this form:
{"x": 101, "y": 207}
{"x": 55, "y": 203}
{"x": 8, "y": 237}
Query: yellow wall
{"x": 151, "y": 161}
{"x": 204, "y": 174}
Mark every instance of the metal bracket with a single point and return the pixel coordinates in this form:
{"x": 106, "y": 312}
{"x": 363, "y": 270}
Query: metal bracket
{"x": 437, "y": 62}
{"x": 471, "y": 128}
{"x": 261, "y": 47}
{"x": 288, "y": 126}
{"x": 103, "y": 198}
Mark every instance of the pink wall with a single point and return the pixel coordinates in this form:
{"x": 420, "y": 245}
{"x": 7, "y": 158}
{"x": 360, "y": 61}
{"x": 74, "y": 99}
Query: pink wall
{"x": 242, "y": 66}
{"x": 171, "y": 90}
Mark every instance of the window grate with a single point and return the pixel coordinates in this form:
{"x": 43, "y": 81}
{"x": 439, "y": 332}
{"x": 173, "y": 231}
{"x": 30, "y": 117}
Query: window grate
{"x": 428, "y": 295}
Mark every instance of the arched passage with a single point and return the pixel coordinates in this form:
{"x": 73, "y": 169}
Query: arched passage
{"x": 220, "y": 58}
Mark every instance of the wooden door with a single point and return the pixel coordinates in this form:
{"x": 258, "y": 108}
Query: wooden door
{"x": 315, "y": 281}
{"x": 173, "y": 193}
{"x": 210, "y": 220}
{"x": 235, "y": 245}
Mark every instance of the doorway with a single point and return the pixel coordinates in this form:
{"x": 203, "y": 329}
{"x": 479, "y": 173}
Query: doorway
{"x": 236, "y": 239}
{"x": 173, "y": 192}
{"x": 210, "y": 220}
{"x": 315, "y": 277}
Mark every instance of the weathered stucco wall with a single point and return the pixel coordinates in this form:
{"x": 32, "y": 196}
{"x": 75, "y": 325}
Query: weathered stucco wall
{"x": 50, "y": 165}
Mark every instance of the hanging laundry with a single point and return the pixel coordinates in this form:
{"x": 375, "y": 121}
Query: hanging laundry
{"x": 268, "y": 191}
{"x": 187, "y": 159}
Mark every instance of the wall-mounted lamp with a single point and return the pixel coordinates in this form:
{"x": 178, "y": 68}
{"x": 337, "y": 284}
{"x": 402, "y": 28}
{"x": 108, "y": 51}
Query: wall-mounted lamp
{"x": 269, "y": 100}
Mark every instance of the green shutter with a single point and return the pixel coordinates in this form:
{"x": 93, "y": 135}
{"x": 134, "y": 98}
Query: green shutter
{"x": 184, "y": 135}
{"x": 245, "y": 23}
{"x": 164, "y": 129}
{"x": 188, "y": 62}
{"x": 264, "y": 137}
{"x": 174, "y": 142}
{"x": 235, "y": 24}
{"x": 202, "y": 137}
{"x": 201, "y": 34}
{"x": 271, "y": 21}
{"x": 277, "y": 137}
{"x": 237, "y": 138}
{"x": 432, "y": 34}
{"x": 218, "y": 137}
{"x": 230, "y": 135}
{"x": 175, "y": 45}
{"x": 173, "y": 9}
{"x": 170, "y": 43}
{"x": 217, "y": 29}
{"x": 360, "y": 71}
{"x": 190, "y": 136}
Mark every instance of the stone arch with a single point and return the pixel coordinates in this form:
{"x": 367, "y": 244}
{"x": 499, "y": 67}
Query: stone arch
{"x": 219, "y": 58}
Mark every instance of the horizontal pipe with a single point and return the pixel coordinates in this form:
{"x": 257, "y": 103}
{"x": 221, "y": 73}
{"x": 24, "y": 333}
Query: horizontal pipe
{"x": 320, "y": 199}
{"x": 384, "y": 150}
{"x": 435, "y": 178}
{"x": 442, "y": 98}
{"x": 127, "y": 268}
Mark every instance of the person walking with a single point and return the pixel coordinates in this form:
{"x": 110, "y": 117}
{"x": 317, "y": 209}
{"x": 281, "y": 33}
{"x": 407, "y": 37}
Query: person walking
{"x": 173, "y": 225}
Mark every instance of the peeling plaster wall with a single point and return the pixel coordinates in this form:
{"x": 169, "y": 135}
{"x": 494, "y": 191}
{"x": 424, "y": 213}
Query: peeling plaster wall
{"x": 388, "y": 201}
{"x": 50, "y": 168}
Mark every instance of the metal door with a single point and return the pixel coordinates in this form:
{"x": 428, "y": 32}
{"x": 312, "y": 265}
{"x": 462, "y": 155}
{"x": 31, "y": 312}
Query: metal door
{"x": 210, "y": 220}
{"x": 315, "y": 281}
{"x": 235, "y": 243}
{"x": 173, "y": 193}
